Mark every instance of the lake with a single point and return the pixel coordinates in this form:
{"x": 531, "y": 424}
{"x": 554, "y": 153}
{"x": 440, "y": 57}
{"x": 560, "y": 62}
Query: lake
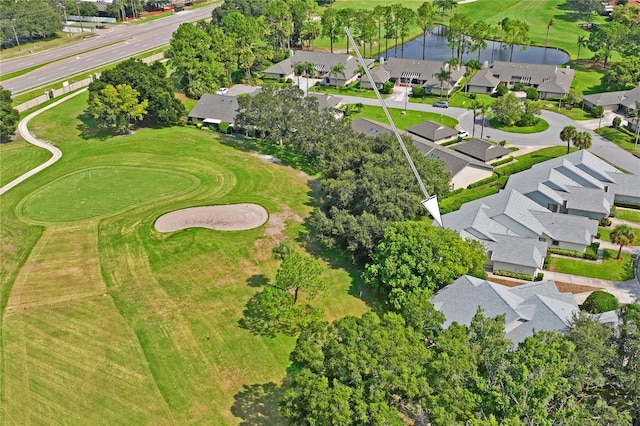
{"x": 437, "y": 49}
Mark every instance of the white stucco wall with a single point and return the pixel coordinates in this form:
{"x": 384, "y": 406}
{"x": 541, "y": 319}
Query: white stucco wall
{"x": 519, "y": 269}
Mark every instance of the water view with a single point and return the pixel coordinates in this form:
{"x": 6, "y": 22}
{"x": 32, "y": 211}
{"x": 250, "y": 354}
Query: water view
{"x": 437, "y": 49}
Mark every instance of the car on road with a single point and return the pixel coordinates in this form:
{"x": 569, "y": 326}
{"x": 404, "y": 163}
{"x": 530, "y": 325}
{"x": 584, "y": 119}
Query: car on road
{"x": 441, "y": 104}
{"x": 222, "y": 91}
{"x": 463, "y": 134}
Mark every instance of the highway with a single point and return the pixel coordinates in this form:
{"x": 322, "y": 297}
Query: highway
{"x": 129, "y": 40}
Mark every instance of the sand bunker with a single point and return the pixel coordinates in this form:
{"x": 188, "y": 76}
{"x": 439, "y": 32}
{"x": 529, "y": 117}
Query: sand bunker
{"x": 231, "y": 217}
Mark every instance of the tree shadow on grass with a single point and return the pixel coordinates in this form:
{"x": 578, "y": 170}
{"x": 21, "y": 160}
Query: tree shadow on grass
{"x": 257, "y": 405}
{"x": 257, "y": 280}
{"x": 89, "y": 129}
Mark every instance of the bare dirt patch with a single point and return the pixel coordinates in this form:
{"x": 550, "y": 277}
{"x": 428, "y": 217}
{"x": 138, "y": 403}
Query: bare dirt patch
{"x": 562, "y": 286}
{"x": 231, "y": 217}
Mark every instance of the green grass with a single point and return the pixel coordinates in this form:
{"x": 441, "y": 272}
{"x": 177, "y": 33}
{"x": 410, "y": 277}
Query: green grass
{"x": 623, "y": 140}
{"x": 94, "y": 192}
{"x": 26, "y": 49}
{"x": 627, "y": 214}
{"x": 350, "y": 90}
{"x": 610, "y": 269}
{"x": 18, "y": 157}
{"x": 587, "y": 79}
{"x": 539, "y": 126}
{"x": 604, "y": 234}
{"x": 574, "y": 113}
{"x": 107, "y": 320}
{"x": 403, "y": 121}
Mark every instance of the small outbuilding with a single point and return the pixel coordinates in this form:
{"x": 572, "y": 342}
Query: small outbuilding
{"x": 481, "y": 150}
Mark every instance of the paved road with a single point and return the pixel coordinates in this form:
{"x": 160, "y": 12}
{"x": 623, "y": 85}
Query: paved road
{"x": 26, "y": 135}
{"x": 131, "y": 40}
{"x": 600, "y": 146}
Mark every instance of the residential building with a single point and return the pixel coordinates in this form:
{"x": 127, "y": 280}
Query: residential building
{"x": 415, "y": 73}
{"x": 323, "y": 63}
{"x": 577, "y": 184}
{"x": 433, "y": 132}
{"x": 464, "y": 170}
{"x": 622, "y": 101}
{"x": 551, "y": 81}
{"x": 517, "y": 231}
{"x": 215, "y": 109}
{"x": 527, "y": 308}
{"x": 481, "y": 150}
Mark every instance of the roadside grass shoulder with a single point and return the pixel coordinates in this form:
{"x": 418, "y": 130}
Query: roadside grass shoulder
{"x": 610, "y": 268}
{"x": 623, "y": 140}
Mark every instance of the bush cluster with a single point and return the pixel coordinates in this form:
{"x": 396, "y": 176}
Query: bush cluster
{"x": 503, "y": 161}
{"x": 599, "y": 302}
{"x": 513, "y": 275}
{"x": 565, "y": 252}
{"x": 605, "y": 221}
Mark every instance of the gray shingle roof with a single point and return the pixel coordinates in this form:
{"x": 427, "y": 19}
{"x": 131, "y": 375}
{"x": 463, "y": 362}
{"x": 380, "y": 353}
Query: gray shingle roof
{"x": 454, "y": 162}
{"x": 217, "y": 107}
{"x": 326, "y": 101}
{"x": 626, "y": 98}
{"x": 483, "y": 151}
{"x": 548, "y": 78}
{"x": 537, "y": 306}
{"x": 323, "y": 62}
{"x": 400, "y": 69}
{"x": 432, "y": 131}
{"x": 484, "y": 78}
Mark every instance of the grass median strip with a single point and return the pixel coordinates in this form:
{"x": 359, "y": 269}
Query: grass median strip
{"x": 610, "y": 269}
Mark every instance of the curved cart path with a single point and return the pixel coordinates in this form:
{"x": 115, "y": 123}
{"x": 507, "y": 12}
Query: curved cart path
{"x": 26, "y": 135}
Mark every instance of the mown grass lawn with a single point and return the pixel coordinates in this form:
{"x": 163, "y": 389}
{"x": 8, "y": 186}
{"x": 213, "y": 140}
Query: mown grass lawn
{"x": 610, "y": 269}
{"x": 350, "y": 90}
{"x": 18, "y": 157}
{"x": 604, "y": 234}
{"x": 403, "y": 121}
{"x": 623, "y": 140}
{"x": 628, "y": 214}
{"x": 539, "y": 126}
{"x": 142, "y": 327}
{"x": 574, "y": 113}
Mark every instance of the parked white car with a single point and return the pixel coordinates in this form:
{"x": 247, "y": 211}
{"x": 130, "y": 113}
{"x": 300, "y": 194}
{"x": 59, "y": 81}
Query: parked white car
{"x": 463, "y": 134}
{"x": 222, "y": 91}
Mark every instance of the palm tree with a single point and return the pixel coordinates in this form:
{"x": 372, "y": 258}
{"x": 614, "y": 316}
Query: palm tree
{"x": 568, "y": 134}
{"x": 310, "y": 69}
{"x": 635, "y": 113}
{"x": 379, "y": 15}
{"x": 471, "y": 67}
{"x": 426, "y": 19}
{"x": 336, "y": 70}
{"x": 475, "y": 106}
{"x": 299, "y": 69}
{"x": 485, "y": 112}
{"x": 443, "y": 76}
{"x": 622, "y": 235}
{"x": 582, "y": 42}
{"x": 582, "y": 140}
{"x": 550, "y": 22}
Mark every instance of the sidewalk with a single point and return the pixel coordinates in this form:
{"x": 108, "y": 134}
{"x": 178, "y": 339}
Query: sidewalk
{"x": 625, "y": 291}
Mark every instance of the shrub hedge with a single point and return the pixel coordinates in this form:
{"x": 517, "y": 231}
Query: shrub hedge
{"x": 503, "y": 161}
{"x": 565, "y": 252}
{"x": 513, "y": 275}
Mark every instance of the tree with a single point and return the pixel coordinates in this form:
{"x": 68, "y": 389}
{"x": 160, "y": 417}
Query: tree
{"x": 582, "y": 42}
{"x": 475, "y": 106}
{"x": 607, "y": 38}
{"x": 298, "y": 69}
{"x": 622, "y": 74}
{"x": 330, "y": 26}
{"x": 586, "y": 7}
{"x": 508, "y": 109}
{"x": 358, "y": 371}
{"x": 242, "y": 30}
{"x": 600, "y": 301}
{"x": 567, "y": 134}
{"x": 516, "y": 32}
{"x": 622, "y": 235}
{"x": 336, "y": 70}
{"x": 405, "y": 17}
{"x": 550, "y": 22}
{"x": 278, "y": 21}
{"x": 152, "y": 85}
{"x": 203, "y": 55}
{"x": 9, "y": 116}
{"x": 426, "y": 19}
{"x": 479, "y": 33}
{"x": 572, "y": 98}
{"x": 582, "y": 140}
{"x": 346, "y": 18}
{"x": 310, "y": 70}
{"x": 276, "y": 308}
{"x": 532, "y": 93}
{"x": 485, "y": 110}
{"x": 414, "y": 255}
{"x": 443, "y": 75}
{"x": 117, "y": 106}
{"x": 378, "y": 14}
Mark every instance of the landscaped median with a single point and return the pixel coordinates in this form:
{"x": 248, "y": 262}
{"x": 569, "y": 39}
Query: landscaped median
{"x": 539, "y": 126}
{"x": 621, "y": 137}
